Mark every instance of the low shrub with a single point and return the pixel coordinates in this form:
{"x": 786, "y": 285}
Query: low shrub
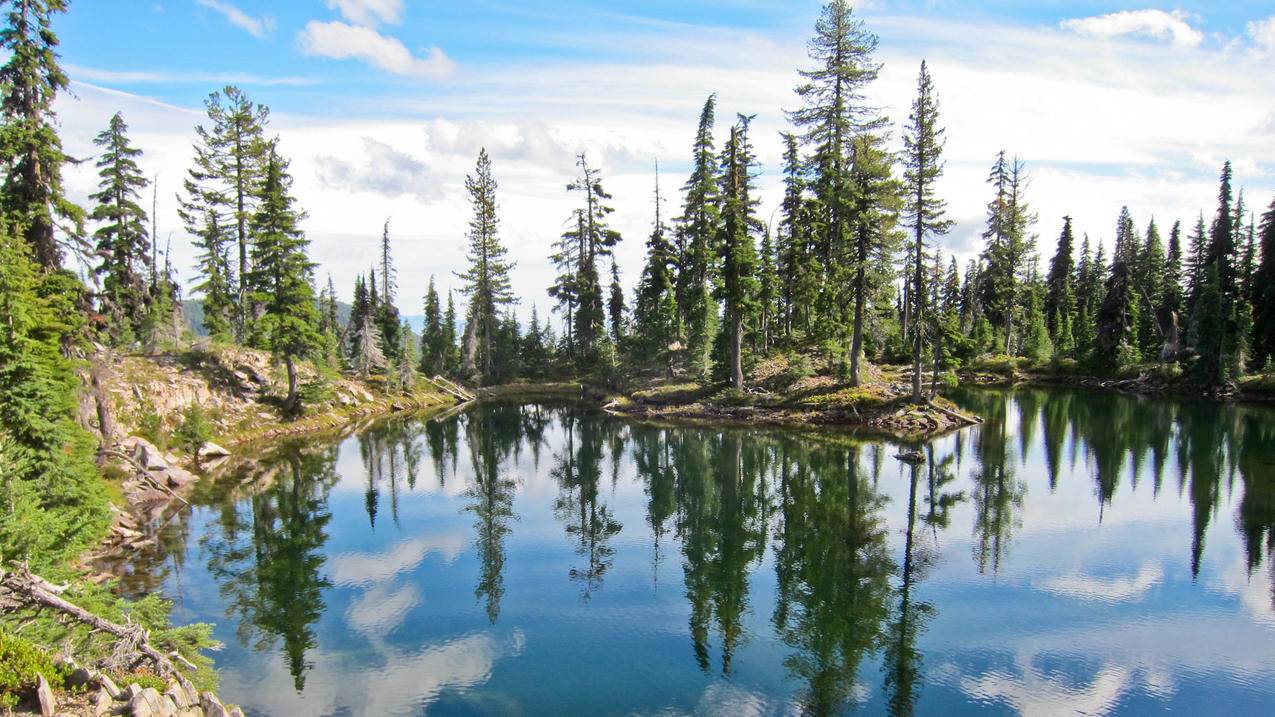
{"x": 20, "y": 660}
{"x": 195, "y": 429}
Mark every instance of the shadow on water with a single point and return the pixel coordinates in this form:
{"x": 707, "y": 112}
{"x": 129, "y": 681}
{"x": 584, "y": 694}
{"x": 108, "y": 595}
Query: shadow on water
{"x": 806, "y": 565}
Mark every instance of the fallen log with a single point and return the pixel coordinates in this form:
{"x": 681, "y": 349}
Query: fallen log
{"x": 22, "y": 589}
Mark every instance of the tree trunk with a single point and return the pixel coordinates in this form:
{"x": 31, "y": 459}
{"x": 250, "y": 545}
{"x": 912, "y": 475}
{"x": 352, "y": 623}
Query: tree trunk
{"x": 291, "y": 402}
{"x": 918, "y": 301}
{"x": 856, "y": 343}
{"x": 737, "y": 349}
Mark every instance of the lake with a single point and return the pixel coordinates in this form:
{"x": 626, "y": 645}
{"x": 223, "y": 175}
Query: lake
{"x": 1078, "y": 553}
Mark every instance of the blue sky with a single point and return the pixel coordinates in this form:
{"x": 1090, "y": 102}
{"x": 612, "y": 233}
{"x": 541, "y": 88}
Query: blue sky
{"x": 382, "y": 104}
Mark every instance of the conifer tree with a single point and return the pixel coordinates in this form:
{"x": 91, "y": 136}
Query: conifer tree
{"x": 229, "y": 165}
{"x": 487, "y": 279}
{"x": 833, "y": 115}
{"x": 52, "y": 505}
{"x": 615, "y": 305}
{"x": 1150, "y": 293}
{"x": 451, "y": 361}
{"x": 594, "y": 240}
{"x": 387, "y": 317}
{"x": 799, "y": 276}
{"x": 1263, "y": 352}
{"x": 281, "y": 279}
{"x": 214, "y": 275}
{"x": 924, "y": 211}
{"x": 1197, "y": 246}
{"x": 696, "y": 233}
{"x": 1037, "y": 345}
{"x": 1009, "y": 222}
{"x": 1214, "y": 318}
{"x": 566, "y": 261}
{"x": 1171, "y": 306}
{"x": 1059, "y": 289}
{"x": 33, "y": 197}
{"x": 736, "y": 245}
{"x": 655, "y": 312}
{"x": 873, "y": 215}
{"x": 768, "y": 291}
{"x": 122, "y": 241}
{"x": 433, "y": 338}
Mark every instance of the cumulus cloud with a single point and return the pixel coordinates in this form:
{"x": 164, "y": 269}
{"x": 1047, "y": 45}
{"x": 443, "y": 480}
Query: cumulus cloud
{"x": 1156, "y": 24}
{"x": 369, "y": 12}
{"x": 1263, "y": 33}
{"x": 343, "y": 41}
{"x": 383, "y": 170}
{"x": 258, "y": 27}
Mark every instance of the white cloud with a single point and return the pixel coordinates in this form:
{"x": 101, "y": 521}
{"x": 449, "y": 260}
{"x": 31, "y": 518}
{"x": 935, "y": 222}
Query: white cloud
{"x": 258, "y": 27}
{"x": 342, "y": 41}
{"x": 369, "y": 12}
{"x": 94, "y": 74}
{"x": 1156, "y": 24}
{"x": 381, "y": 169}
{"x": 1119, "y": 589}
{"x": 1263, "y": 33}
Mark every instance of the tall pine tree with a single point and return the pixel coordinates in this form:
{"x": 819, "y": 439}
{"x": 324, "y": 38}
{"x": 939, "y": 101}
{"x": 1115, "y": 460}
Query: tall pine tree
{"x": 487, "y": 278}
{"x": 122, "y": 241}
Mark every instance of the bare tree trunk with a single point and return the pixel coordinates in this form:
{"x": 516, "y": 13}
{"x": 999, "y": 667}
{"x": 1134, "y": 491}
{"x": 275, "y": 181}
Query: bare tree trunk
{"x": 737, "y": 349}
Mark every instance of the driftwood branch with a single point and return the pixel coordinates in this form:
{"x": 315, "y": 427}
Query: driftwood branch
{"x": 967, "y": 420}
{"x": 21, "y": 588}
{"x": 145, "y": 474}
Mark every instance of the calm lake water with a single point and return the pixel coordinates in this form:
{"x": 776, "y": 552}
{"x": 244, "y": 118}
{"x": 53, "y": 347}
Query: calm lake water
{"x": 1076, "y": 554}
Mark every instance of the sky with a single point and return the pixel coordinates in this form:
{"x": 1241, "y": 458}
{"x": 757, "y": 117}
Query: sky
{"x": 382, "y": 106}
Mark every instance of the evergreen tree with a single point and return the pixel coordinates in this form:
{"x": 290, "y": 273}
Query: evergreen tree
{"x": 1151, "y": 293}
{"x": 214, "y": 276}
{"x": 736, "y": 245}
{"x": 615, "y": 304}
{"x": 1009, "y": 244}
{"x": 799, "y": 275}
{"x": 1172, "y": 302}
{"x": 1197, "y": 243}
{"x": 768, "y": 291}
{"x": 833, "y": 115}
{"x": 122, "y": 242}
{"x": 1263, "y": 353}
{"x": 433, "y": 336}
{"x": 231, "y": 156}
{"x": 566, "y": 261}
{"x": 451, "y": 361}
{"x": 696, "y": 232}
{"x": 1059, "y": 289}
{"x": 1214, "y": 319}
{"x": 924, "y": 211}
{"x": 594, "y": 240}
{"x": 34, "y": 200}
{"x": 360, "y": 313}
{"x": 487, "y": 279}
{"x": 875, "y": 240}
{"x": 282, "y": 274}
{"x": 52, "y": 505}
{"x": 387, "y": 317}
{"x": 655, "y": 312}
{"x": 1037, "y": 344}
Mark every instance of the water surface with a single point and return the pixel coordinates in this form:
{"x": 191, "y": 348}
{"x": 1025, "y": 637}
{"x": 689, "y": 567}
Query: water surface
{"x": 1077, "y": 553}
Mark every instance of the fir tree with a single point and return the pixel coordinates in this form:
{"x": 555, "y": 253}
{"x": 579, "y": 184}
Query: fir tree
{"x": 1263, "y": 352}
{"x": 33, "y": 197}
{"x": 215, "y": 277}
{"x": 736, "y": 245}
{"x": 799, "y": 276}
{"x": 924, "y": 211}
{"x": 487, "y": 279}
{"x": 1151, "y": 293}
{"x": 696, "y": 232}
{"x": 52, "y": 505}
{"x": 1172, "y": 301}
{"x": 1059, "y": 289}
{"x": 1214, "y": 319}
{"x": 1009, "y": 222}
{"x": 873, "y": 214}
{"x": 768, "y": 291}
{"x": 594, "y": 240}
{"x": 281, "y": 278}
{"x": 451, "y": 362}
{"x": 230, "y": 160}
{"x": 387, "y": 317}
{"x": 615, "y": 305}
{"x": 122, "y": 242}
{"x": 655, "y": 310}
{"x": 433, "y": 337}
